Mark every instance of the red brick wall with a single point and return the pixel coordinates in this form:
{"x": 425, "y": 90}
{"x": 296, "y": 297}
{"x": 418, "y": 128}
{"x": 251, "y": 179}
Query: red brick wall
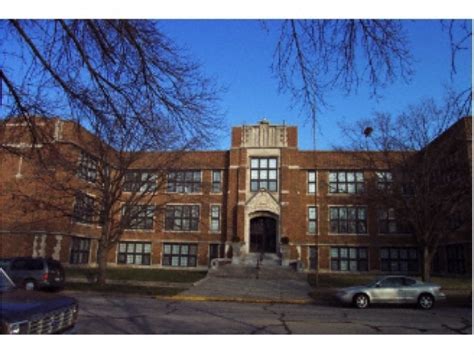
{"x": 292, "y": 193}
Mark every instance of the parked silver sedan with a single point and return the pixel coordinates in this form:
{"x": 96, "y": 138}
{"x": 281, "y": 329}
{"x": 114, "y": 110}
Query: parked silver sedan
{"x": 392, "y": 289}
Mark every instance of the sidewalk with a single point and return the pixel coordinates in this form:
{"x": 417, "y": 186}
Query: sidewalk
{"x": 135, "y": 283}
{"x": 246, "y": 284}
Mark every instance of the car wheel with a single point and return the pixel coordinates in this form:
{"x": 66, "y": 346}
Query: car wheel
{"x": 361, "y": 301}
{"x": 426, "y": 301}
{"x": 29, "y": 285}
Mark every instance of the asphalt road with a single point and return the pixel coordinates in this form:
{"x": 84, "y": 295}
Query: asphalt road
{"x": 126, "y": 314}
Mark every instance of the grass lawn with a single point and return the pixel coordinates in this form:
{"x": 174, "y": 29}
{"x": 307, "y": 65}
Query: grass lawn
{"x": 150, "y": 291}
{"x": 139, "y": 274}
{"x": 345, "y": 280}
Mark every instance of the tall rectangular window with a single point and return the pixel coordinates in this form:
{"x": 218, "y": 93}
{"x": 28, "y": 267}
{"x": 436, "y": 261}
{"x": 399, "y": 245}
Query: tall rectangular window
{"x": 216, "y": 181}
{"x": 312, "y": 219}
{"x": 349, "y": 259}
{"x": 384, "y": 180}
{"x": 138, "y": 217}
{"x": 80, "y": 248}
{"x": 348, "y": 182}
{"x": 179, "y": 255}
{"x": 140, "y": 181}
{"x": 311, "y": 182}
{"x": 87, "y": 167}
{"x": 134, "y": 253}
{"x": 182, "y": 218}
{"x": 263, "y": 174}
{"x": 83, "y": 211}
{"x": 455, "y": 258}
{"x": 184, "y": 181}
{"x": 350, "y": 220}
{"x": 313, "y": 258}
{"x": 215, "y": 218}
{"x": 399, "y": 260}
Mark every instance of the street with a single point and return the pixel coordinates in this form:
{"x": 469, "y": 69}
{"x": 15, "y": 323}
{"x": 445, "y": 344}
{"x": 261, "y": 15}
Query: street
{"x": 120, "y": 314}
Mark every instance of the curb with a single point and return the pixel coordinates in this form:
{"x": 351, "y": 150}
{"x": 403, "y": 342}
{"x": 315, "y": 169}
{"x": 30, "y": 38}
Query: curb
{"x": 197, "y": 298}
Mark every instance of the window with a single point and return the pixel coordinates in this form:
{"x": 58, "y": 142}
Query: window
{"x": 83, "y": 208}
{"x": 182, "y": 218}
{"x": 348, "y": 182}
{"x": 140, "y": 181}
{"x": 215, "y": 218}
{"x": 134, "y": 253}
{"x": 87, "y": 168}
{"x": 311, "y": 182}
{"x": 312, "y": 219}
{"x": 351, "y": 220}
{"x": 388, "y": 223}
{"x": 180, "y": 255}
{"x": 313, "y": 258}
{"x": 216, "y": 181}
{"x": 455, "y": 256}
{"x": 263, "y": 174}
{"x": 349, "y": 259}
{"x": 399, "y": 260}
{"x": 80, "y": 251}
{"x": 184, "y": 181}
{"x": 138, "y": 217}
{"x": 384, "y": 180}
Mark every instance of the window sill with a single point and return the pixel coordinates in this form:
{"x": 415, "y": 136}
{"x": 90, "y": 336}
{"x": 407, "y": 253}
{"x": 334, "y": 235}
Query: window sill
{"x": 142, "y": 266}
{"x": 345, "y": 193}
{"x": 185, "y": 193}
{"x": 86, "y": 224}
{"x": 139, "y": 230}
{"x": 179, "y": 232}
{"x": 142, "y": 192}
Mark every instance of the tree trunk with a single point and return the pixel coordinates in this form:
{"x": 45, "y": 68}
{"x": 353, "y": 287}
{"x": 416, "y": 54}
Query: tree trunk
{"x": 426, "y": 264}
{"x": 102, "y": 263}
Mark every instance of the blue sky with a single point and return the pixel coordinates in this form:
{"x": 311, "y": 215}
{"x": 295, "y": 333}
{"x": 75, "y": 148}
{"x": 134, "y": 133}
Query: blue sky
{"x": 238, "y": 54}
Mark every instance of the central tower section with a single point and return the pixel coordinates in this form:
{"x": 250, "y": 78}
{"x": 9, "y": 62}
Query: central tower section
{"x": 258, "y": 161}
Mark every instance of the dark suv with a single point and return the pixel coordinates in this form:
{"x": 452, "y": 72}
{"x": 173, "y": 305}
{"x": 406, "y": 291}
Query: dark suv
{"x": 35, "y": 273}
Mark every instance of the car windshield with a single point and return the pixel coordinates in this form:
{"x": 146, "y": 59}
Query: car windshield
{"x": 5, "y": 282}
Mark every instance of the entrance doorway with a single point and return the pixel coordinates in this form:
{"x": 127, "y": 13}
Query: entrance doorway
{"x": 263, "y": 234}
{"x": 213, "y": 252}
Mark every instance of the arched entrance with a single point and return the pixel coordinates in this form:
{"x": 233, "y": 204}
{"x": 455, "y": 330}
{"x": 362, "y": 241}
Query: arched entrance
{"x": 263, "y": 234}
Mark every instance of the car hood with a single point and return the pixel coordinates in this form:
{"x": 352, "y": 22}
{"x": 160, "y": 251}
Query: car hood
{"x": 17, "y": 305}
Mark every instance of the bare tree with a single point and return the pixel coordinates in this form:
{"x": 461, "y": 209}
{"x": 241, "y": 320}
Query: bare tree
{"x": 429, "y": 186}
{"x": 127, "y": 91}
{"x": 313, "y": 57}
{"x": 460, "y": 38}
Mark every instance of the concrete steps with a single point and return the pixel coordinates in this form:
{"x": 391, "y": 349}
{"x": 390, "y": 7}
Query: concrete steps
{"x": 269, "y": 268}
{"x": 252, "y": 259}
